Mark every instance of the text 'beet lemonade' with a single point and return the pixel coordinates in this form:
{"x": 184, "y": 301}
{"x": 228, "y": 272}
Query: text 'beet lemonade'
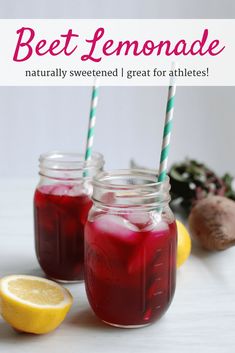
{"x": 130, "y": 248}
{"x": 61, "y": 204}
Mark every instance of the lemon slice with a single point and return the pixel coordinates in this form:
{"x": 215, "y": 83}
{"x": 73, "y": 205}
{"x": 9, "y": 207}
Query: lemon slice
{"x": 184, "y": 244}
{"x": 33, "y": 304}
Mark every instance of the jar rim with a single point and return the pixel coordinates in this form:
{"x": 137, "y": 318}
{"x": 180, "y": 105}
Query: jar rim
{"x": 101, "y": 178}
{"x": 60, "y": 160}
{"x": 136, "y": 188}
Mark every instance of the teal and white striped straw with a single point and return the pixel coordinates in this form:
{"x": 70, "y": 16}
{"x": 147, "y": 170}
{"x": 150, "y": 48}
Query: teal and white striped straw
{"x": 92, "y": 120}
{"x": 167, "y": 131}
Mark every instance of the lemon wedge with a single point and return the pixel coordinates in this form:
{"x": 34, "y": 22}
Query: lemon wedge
{"x": 33, "y": 304}
{"x": 184, "y": 244}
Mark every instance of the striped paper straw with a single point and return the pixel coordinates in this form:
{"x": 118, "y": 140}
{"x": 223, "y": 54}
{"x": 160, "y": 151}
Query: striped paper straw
{"x": 92, "y": 120}
{"x": 167, "y": 131}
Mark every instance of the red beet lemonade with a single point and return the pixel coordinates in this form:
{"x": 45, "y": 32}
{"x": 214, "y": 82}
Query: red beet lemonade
{"x": 60, "y": 215}
{"x": 130, "y": 248}
{"x": 130, "y": 269}
{"x": 61, "y": 204}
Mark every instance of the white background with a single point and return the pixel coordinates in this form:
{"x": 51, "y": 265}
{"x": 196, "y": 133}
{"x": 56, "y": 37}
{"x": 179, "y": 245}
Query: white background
{"x": 129, "y": 119}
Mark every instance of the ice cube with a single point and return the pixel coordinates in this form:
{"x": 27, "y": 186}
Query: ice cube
{"x": 117, "y": 227}
{"x": 139, "y": 219}
{"x": 156, "y": 227}
{"x": 60, "y": 190}
{"x": 114, "y": 239}
{"x": 76, "y": 190}
{"x": 130, "y": 225}
{"x": 46, "y": 189}
{"x": 147, "y": 221}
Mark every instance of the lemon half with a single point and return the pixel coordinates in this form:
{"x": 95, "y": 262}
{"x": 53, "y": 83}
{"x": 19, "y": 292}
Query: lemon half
{"x": 33, "y": 304}
{"x": 184, "y": 244}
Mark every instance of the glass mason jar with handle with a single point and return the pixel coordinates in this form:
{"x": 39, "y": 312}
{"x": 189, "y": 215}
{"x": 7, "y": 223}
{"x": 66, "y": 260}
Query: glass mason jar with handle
{"x": 61, "y": 203}
{"x": 130, "y": 248}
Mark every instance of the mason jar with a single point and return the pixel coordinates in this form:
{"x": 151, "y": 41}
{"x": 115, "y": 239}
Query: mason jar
{"x": 62, "y": 201}
{"x": 130, "y": 248}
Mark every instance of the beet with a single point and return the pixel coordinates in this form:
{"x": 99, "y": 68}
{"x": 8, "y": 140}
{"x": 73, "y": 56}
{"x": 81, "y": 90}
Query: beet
{"x": 212, "y": 222}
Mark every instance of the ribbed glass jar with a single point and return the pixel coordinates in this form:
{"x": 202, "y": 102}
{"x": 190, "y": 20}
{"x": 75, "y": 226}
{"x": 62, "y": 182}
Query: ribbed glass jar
{"x": 62, "y": 201}
{"x": 130, "y": 248}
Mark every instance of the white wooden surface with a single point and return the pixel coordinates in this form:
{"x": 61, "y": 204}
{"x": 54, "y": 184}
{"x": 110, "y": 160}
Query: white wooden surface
{"x": 200, "y": 319}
